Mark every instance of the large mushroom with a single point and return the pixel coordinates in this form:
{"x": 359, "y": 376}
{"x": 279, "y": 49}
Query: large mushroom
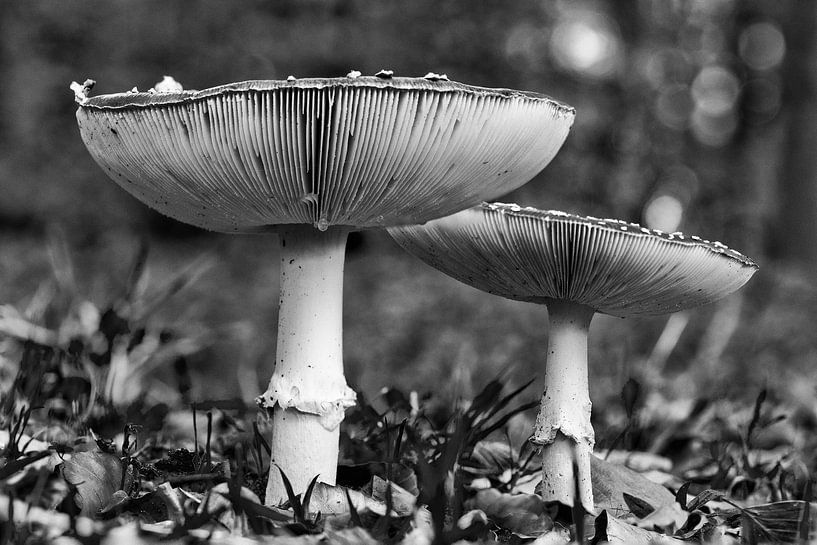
{"x": 576, "y": 266}
{"x": 313, "y": 159}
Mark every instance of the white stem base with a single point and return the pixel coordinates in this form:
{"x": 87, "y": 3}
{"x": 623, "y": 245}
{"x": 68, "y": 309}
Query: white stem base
{"x": 563, "y": 425}
{"x": 303, "y": 448}
{"x": 308, "y": 392}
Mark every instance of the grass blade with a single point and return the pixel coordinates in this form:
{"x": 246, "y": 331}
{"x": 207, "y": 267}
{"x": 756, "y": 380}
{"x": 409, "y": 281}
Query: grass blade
{"x": 761, "y": 397}
{"x": 308, "y": 495}
{"x": 353, "y": 514}
{"x": 483, "y": 433}
{"x": 294, "y": 502}
{"x": 259, "y": 437}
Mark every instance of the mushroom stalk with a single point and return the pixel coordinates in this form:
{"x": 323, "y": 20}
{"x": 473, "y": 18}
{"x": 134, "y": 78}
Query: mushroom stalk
{"x": 308, "y": 391}
{"x": 563, "y": 425}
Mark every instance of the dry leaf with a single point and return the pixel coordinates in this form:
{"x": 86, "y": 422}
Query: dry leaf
{"x": 331, "y": 500}
{"x": 609, "y": 529}
{"x": 403, "y": 501}
{"x": 96, "y": 476}
{"x": 783, "y": 521}
{"x": 525, "y": 515}
{"x": 668, "y": 518}
{"x": 611, "y": 481}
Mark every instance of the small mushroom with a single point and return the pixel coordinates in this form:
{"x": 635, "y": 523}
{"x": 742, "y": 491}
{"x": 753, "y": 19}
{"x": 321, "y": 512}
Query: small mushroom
{"x": 312, "y": 160}
{"x": 576, "y": 266}
{"x": 385, "y": 74}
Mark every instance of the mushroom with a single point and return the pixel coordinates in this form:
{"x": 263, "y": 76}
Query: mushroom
{"x": 576, "y": 266}
{"x": 311, "y": 160}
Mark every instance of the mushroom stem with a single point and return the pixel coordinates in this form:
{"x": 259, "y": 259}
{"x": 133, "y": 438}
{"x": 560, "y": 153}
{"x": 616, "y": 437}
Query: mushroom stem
{"x": 563, "y": 425}
{"x": 308, "y": 391}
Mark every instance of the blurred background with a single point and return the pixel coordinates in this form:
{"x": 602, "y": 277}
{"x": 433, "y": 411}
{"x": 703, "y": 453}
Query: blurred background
{"x": 695, "y": 115}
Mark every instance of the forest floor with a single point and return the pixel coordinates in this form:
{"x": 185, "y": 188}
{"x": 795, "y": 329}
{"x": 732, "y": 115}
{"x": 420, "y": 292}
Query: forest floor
{"x": 93, "y": 451}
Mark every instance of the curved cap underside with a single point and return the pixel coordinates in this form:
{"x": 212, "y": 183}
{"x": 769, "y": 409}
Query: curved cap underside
{"x": 615, "y": 267}
{"x": 363, "y": 152}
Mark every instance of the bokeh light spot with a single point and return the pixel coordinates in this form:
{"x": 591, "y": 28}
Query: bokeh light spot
{"x": 715, "y": 90}
{"x": 587, "y": 44}
{"x": 762, "y": 46}
{"x": 663, "y": 213}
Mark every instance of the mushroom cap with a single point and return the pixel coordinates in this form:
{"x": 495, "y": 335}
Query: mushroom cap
{"x": 359, "y": 151}
{"x": 612, "y": 266}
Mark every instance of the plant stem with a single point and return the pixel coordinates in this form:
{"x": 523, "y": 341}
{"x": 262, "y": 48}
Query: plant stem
{"x": 563, "y": 425}
{"x": 308, "y": 391}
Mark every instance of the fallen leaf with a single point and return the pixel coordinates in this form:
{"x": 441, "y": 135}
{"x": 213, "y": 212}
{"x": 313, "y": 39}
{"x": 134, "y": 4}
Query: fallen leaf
{"x": 96, "y": 476}
{"x": 402, "y": 500}
{"x": 609, "y": 529}
{"x": 611, "y": 481}
{"x": 667, "y": 518}
{"x": 331, "y": 500}
{"x": 783, "y": 521}
{"x": 525, "y": 515}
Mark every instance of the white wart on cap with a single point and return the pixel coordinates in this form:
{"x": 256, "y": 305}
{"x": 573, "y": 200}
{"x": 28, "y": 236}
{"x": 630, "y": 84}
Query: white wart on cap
{"x": 358, "y": 152}
{"x": 576, "y": 266}
{"x": 312, "y": 159}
